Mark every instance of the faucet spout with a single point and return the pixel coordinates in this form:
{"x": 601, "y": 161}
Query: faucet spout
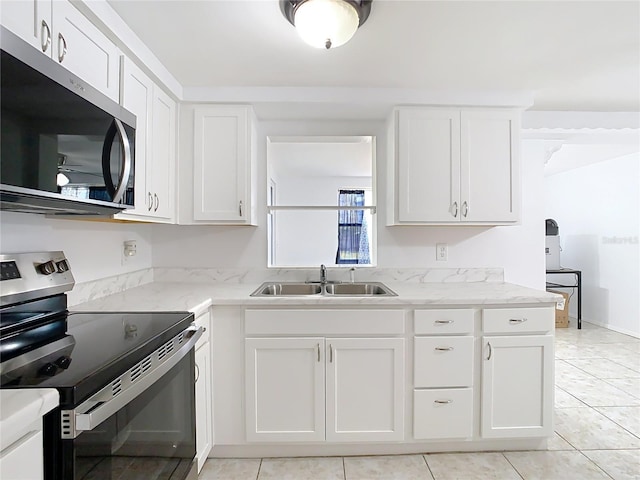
{"x": 323, "y": 274}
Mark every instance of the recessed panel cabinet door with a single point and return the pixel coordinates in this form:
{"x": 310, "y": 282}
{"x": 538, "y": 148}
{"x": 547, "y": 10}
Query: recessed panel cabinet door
{"x": 489, "y": 153}
{"x": 222, "y": 164}
{"x": 30, "y": 20}
{"x": 162, "y": 171}
{"x": 517, "y": 386}
{"x": 204, "y": 397}
{"x": 365, "y": 389}
{"x": 428, "y": 165}
{"x": 284, "y": 389}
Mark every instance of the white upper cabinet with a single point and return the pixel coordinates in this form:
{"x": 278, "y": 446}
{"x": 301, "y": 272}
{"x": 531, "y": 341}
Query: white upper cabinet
{"x": 59, "y": 30}
{"x": 453, "y": 166}
{"x": 224, "y": 165}
{"x": 155, "y": 115}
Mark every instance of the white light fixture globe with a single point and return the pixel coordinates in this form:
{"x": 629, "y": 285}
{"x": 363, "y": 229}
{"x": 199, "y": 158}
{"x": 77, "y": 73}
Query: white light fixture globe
{"x": 326, "y": 23}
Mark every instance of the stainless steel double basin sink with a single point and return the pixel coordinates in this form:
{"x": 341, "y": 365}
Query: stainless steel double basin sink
{"x": 298, "y": 289}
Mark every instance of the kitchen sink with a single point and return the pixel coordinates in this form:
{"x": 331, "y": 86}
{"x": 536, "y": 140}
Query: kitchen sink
{"x": 288, "y": 289}
{"x": 359, "y": 289}
{"x": 283, "y": 289}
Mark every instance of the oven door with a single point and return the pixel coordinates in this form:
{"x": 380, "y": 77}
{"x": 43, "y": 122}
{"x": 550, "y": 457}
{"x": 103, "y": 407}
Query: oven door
{"x": 152, "y": 435}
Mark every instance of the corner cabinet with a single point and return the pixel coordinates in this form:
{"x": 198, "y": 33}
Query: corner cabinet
{"x": 517, "y": 372}
{"x": 155, "y": 146}
{"x": 454, "y": 166}
{"x": 224, "y": 168}
{"x": 64, "y": 34}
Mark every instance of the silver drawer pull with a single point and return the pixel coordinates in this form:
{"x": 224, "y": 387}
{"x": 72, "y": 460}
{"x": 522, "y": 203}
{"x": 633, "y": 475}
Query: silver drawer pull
{"x": 517, "y": 320}
{"x": 444, "y": 349}
{"x": 443, "y": 401}
{"x": 444, "y": 322}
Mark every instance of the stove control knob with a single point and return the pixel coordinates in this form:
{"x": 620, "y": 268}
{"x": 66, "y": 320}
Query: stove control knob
{"x": 48, "y": 370}
{"x": 47, "y": 268}
{"x": 63, "y": 362}
{"x": 62, "y": 266}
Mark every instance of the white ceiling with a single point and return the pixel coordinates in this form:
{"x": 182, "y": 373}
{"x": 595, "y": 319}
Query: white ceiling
{"x": 574, "y": 55}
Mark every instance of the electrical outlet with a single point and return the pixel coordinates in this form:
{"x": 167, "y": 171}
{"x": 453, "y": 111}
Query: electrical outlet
{"x": 442, "y": 252}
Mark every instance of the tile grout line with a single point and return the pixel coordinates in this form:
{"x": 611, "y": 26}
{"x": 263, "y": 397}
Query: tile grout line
{"x": 344, "y": 469}
{"x": 424, "y": 457}
{"x": 512, "y": 465}
{"x": 259, "y": 468}
{"x": 597, "y": 466}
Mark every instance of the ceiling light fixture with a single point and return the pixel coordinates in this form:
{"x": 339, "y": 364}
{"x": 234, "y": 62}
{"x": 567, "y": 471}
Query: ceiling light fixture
{"x": 326, "y": 23}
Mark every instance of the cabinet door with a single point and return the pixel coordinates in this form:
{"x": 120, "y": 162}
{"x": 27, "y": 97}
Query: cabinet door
{"x": 365, "y": 389}
{"x": 30, "y": 20}
{"x": 517, "y": 386}
{"x": 428, "y": 170}
{"x": 284, "y": 389}
{"x": 489, "y": 166}
{"x": 23, "y": 460}
{"x": 204, "y": 395}
{"x": 222, "y": 164}
{"x": 137, "y": 97}
{"x": 161, "y": 168}
{"x": 84, "y": 50}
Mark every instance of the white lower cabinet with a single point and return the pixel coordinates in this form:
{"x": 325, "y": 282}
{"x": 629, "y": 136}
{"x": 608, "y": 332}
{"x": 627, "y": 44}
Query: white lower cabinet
{"x": 288, "y": 398}
{"x": 23, "y": 460}
{"x": 204, "y": 392}
{"x": 517, "y": 386}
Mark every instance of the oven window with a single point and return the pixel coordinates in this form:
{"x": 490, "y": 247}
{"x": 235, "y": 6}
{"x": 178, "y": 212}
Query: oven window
{"x": 153, "y": 437}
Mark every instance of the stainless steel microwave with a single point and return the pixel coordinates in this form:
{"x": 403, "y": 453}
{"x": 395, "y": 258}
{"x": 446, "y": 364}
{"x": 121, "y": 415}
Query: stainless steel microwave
{"x": 65, "y": 147}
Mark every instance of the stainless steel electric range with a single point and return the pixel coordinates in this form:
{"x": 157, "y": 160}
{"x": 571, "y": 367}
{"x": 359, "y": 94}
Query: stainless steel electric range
{"x": 126, "y": 380}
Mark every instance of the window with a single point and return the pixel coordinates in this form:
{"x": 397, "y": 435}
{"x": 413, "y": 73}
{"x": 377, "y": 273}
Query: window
{"x": 353, "y": 235}
{"x": 315, "y": 176}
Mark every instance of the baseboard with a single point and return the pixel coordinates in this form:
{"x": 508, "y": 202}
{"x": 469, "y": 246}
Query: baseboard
{"x": 610, "y": 327}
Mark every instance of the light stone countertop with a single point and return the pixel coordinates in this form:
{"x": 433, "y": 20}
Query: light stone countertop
{"x": 197, "y": 297}
{"x": 20, "y": 408}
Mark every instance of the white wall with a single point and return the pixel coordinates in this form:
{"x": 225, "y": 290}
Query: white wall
{"x": 518, "y": 249}
{"x": 597, "y": 208}
{"x": 94, "y": 249}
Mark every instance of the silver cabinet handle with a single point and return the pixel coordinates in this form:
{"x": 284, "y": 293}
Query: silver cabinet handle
{"x": 444, "y": 322}
{"x": 197, "y": 373}
{"x": 240, "y": 207}
{"x": 465, "y": 209}
{"x": 454, "y": 207}
{"x": 157, "y": 202}
{"x": 62, "y": 47}
{"x": 330, "y": 353}
{"x": 490, "y": 350}
{"x": 318, "y": 348}
{"x": 444, "y": 349}
{"x": 45, "y": 40}
{"x": 150, "y": 201}
{"x": 443, "y": 401}
{"x": 117, "y": 193}
{"x": 517, "y": 320}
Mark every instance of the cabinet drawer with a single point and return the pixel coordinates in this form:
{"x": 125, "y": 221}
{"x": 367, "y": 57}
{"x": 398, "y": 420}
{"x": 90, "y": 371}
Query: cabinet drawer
{"x": 443, "y": 362}
{"x": 514, "y": 320}
{"x": 23, "y": 460}
{"x": 443, "y": 321}
{"x": 203, "y": 321}
{"x": 443, "y": 413}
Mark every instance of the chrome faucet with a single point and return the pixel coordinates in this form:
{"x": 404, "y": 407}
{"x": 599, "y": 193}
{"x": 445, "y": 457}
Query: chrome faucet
{"x": 323, "y": 274}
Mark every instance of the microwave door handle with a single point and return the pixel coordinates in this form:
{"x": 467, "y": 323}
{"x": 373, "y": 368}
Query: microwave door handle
{"x": 94, "y": 417}
{"x": 116, "y": 192}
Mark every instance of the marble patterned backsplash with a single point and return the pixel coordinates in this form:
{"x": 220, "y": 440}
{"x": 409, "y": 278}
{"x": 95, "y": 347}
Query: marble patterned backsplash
{"x": 413, "y": 275}
{"x": 96, "y": 289}
{"x": 84, "y": 292}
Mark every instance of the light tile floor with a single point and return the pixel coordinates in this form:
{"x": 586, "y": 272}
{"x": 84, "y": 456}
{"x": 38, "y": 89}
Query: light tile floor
{"x": 597, "y": 424}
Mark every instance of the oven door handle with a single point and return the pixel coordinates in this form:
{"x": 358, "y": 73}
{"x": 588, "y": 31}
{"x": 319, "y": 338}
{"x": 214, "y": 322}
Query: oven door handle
{"x": 94, "y": 417}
